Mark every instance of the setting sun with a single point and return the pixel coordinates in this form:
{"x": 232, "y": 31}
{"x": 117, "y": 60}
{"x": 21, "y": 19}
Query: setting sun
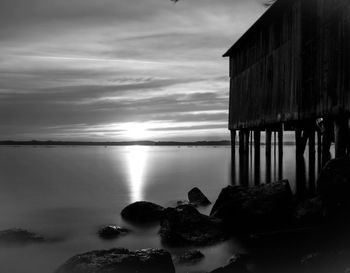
{"x": 136, "y": 131}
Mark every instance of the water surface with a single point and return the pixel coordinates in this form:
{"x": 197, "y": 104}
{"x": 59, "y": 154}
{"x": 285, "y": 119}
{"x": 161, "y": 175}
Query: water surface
{"x": 68, "y": 192}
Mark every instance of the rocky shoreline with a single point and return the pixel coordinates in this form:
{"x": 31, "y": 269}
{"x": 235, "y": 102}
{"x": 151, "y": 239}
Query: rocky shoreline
{"x": 283, "y": 234}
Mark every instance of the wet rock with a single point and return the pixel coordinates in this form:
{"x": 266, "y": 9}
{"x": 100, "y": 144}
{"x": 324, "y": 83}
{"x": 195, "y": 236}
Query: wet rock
{"x": 197, "y": 198}
{"x": 112, "y": 231}
{"x": 120, "y": 260}
{"x": 257, "y": 208}
{"x": 182, "y": 202}
{"x": 190, "y": 257}
{"x": 334, "y": 186}
{"x": 142, "y": 211}
{"x": 184, "y": 225}
{"x": 19, "y": 236}
{"x": 238, "y": 263}
{"x": 326, "y": 262}
{"x": 310, "y": 212}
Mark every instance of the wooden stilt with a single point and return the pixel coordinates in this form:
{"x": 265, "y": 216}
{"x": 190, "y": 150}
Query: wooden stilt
{"x": 233, "y": 157}
{"x": 312, "y": 159}
{"x": 246, "y": 141}
{"x": 257, "y": 141}
{"x": 280, "y": 153}
{"x": 319, "y": 150}
{"x": 340, "y": 136}
{"x": 241, "y": 141}
{"x": 298, "y": 141}
{"x": 327, "y": 140}
{"x": 268, "y": 155}
{"x": 243, "y": 156}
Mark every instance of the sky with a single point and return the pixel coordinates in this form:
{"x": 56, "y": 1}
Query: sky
{"x": 114, "y": 70}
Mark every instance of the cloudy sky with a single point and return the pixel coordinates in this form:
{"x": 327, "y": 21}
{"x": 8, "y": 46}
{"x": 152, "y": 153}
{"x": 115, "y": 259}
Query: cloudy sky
{"x": 117, "y": 69}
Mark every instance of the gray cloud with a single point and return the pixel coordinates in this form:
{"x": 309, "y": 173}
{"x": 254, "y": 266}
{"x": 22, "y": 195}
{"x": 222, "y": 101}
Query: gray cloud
{"x": 74, "y": 68}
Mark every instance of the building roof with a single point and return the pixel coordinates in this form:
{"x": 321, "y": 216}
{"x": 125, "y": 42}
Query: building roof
{"x": 268, "y": 16}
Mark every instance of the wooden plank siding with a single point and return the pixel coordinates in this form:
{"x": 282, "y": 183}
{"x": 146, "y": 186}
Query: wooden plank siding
{"x": 292, "y": 64}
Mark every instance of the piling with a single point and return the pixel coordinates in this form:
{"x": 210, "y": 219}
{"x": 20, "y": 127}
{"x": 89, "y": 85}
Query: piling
{"x": 268, "y": 154}
{"x": 257, "y": 141}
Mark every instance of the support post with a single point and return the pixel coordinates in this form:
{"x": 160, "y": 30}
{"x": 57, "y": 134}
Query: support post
{"x": 241, "y": 141}
{"x": 268, "y": 154}
{"x": 280, "y": 152}
{"x": 327, "y": 140}
{"x": 319, "y": 150}
{"x": 312, "y": 159}
{"x": 257, "y": 140}
{"x": 233, "y": 157}
{"x": 340, "y": 136}
{"x": 243, "y": 157}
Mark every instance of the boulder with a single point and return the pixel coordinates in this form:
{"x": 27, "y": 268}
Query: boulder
{"x": 142, "y": 211}
{"x": 120, "y": 260}
{"x": 238, "y": 263}
{"x": 112, "y": 231}
{"x": 19, "y": 236}
{"x": 197, "y": 198}
{"x": 334, "y": 186}
{"x": 324, "y": 262}
{"x": 190, "y": 257}
{"x": 310, "y": 212}
{"x": 260, "y": 207}
{"x": 184, "y": 226}
{"x": 182, "y": 202}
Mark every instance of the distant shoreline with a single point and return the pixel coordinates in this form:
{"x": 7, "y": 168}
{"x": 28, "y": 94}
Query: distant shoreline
{"x": 111, "y": 143}
{"x": 120, "y": 143}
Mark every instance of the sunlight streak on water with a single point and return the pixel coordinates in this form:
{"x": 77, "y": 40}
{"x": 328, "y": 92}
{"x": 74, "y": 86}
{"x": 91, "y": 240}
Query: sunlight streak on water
{"x": 136, "y": 160}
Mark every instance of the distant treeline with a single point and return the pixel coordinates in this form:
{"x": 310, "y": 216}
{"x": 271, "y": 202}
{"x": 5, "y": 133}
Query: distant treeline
{"x": 119, "y": 143}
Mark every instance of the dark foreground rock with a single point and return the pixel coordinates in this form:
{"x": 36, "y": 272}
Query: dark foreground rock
{"x": 262, "y": 207}
{"x": 190, "y": 257}
{"x": 325, "y": 262}
{"x": 19, "y": 236}
{"x": 334, "y": 187}
{"x": 309, "y": 212}
{"x": 112, "y": 231}
{"x": 237, "y": 264}
{"x": 197, "y": 198}
{"x": 142, "y": 211}
{"x": 184, "y": 225}
{"x": 120, "y": 260}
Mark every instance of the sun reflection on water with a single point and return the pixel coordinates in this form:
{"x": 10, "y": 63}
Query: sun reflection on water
{"x": 137, "y": 158}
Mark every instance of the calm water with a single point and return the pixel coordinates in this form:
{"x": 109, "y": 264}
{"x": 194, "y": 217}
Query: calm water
{"x": 68, "y": 192}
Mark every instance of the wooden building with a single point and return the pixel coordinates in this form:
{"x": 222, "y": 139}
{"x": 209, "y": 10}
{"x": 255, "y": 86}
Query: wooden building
{"x": 291, "y": 68}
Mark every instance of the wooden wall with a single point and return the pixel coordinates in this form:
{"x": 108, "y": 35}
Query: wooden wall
{"x": 293, "y": 64}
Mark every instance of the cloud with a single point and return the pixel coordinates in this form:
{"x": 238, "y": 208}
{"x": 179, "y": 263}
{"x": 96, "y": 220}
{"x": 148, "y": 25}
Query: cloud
{"x": 70, "y": 65}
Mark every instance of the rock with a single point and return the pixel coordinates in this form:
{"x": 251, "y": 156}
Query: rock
{"x": 112, "y": 231}
{"x": 257, "y": 208}
{"x": 184, "y": 225}
{"x": 238, "y": 263}
{"x": 190, "y": 257}
{"x": 334, "y": 186}
{"x": 19, "y": 236}
{"x": 182, "y": 202}
{"x": 335, "y": 261}
{"x": 120, "y": 260}
{"x": 310, "y": 212}
{"x": 197, "y": 198}
{"x": 142, "y": 211}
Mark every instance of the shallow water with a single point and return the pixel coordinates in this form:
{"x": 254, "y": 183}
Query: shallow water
{"x": 66, "y": 193}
